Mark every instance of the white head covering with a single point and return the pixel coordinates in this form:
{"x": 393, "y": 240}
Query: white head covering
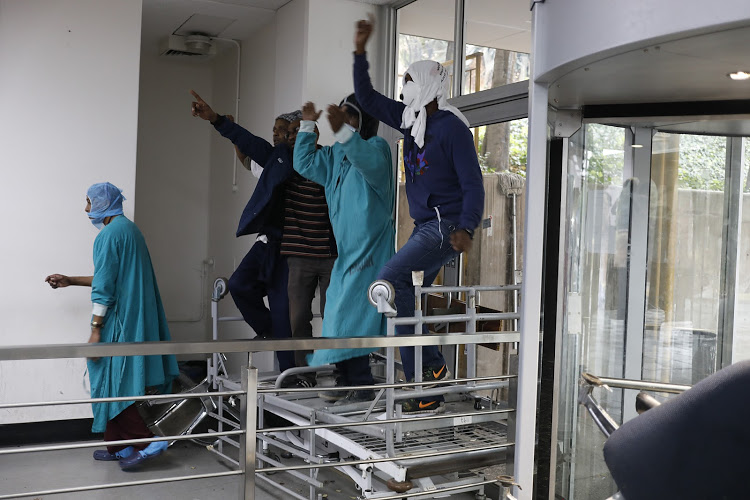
{"x": 432, "y": 79}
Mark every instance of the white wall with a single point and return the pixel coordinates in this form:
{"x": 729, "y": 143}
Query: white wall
{"x": 256, "y": 114}
{"x": 329, "y": 54}
{"x": 291, "y": 41}
{"x": 69, "y": 82}
{"x": 173, "y": 187}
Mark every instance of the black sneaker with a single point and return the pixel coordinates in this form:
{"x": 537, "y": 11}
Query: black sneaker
{"x": 412, "y": 406}
{"x": 333, "y": 396}
{"x": 296, "y": 382}
{"x": 356, "y": 397}
{"x": 433, "y": 374}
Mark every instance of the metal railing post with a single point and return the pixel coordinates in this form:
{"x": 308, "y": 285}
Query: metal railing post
{"x": 248, "y": 417}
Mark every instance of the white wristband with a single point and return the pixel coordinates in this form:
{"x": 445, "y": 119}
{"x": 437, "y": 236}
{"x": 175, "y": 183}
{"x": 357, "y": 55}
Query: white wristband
{"x": 344, "y": 134}
{"x": 307, "y": 126}
{"x": 99, "y": 310}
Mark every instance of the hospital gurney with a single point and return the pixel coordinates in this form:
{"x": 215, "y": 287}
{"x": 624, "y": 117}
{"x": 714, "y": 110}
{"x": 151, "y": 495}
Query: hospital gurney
{"x": 412, "y": 455}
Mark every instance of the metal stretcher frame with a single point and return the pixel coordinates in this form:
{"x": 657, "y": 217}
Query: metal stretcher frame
{"x": 380, "y": 443}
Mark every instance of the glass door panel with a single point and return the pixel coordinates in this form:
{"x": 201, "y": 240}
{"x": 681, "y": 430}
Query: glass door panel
{"x": 686, "y": 213}
{"x": 593, "y": 340}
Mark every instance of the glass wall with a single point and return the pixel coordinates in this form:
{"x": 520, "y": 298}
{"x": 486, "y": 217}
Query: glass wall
{"x": 741, "y": 336}
{"x": 425, "y": 31}
{"x": 685, "y": 257}
{"x": 497, "y": 35}
{"x": 498, "y": 42}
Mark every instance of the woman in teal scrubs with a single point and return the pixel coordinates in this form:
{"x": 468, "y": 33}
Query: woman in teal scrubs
{"x": 126, "y": 308}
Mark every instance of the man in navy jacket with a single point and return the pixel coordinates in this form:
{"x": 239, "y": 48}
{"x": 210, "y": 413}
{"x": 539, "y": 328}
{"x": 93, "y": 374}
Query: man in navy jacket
{"x": 263, "y": 271}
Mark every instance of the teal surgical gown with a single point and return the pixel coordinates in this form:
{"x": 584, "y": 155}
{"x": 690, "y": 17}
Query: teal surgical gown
{"x": 124, "y": 281}
{"x": 358, "y": 181}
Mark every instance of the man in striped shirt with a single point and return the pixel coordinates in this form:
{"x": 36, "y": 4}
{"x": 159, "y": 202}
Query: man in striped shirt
{"x": 310, "y": 249}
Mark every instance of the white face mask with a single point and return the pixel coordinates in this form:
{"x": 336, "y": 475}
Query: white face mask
{"x": 410, "y": 92}
{"x": 98, "y": 223}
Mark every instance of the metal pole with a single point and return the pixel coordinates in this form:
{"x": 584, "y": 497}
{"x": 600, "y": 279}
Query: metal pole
{"x": 248, "y": 416}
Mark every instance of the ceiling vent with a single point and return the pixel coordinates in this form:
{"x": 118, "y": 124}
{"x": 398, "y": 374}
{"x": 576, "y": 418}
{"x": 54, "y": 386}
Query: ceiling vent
{"x": 193, "y": 46}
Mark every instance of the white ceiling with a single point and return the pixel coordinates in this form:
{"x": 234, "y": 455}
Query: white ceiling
{"x": 162, "y": 17}
{"x": 693, "y": 68}
{"x": 502, "y": 24}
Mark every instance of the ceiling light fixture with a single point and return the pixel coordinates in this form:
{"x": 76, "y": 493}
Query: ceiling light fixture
{"x": 739, "y": 75}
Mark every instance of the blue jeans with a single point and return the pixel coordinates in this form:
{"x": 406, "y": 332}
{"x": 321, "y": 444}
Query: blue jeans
{"x": 428, "y": 249}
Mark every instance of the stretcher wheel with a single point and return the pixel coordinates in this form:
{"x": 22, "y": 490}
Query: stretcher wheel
{"x": 221, "y": 287}
{"x": 381, "y": 288}
{"x": 399, "y": 486}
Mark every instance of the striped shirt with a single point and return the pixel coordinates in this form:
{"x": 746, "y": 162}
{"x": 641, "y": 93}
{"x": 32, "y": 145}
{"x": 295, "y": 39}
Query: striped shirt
{"x": 307, "y": 228}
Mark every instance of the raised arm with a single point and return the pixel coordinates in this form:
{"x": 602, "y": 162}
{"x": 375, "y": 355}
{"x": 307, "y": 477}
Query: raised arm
{"x": 376, "y": 104}
{"x": 259, "y": 150}
{"x": 372, "y": 158}
{"x": 311, "y": 162}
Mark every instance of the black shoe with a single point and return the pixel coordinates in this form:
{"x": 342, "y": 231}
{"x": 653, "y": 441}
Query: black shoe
{"x": 412, "y": 406}
{"x": 295, "y": 382}
{"x": 333, "y": 396}
{"x": 434, "y": 374}
{"x": 356, "y": 397}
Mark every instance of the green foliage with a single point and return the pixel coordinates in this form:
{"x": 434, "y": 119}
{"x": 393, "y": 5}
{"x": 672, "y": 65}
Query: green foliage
{"x": 519, "y": 134}
{"x": 702, "y": 162}
{"x": 604, "y": 156}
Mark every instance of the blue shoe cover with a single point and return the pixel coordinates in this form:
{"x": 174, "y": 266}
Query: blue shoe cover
{"x": 154, "y": 449}
{"x": 125, "y": 452}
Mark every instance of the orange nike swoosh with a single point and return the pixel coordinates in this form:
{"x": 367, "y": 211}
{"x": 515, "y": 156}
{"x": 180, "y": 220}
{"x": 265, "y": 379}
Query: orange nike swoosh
{"x": 436, "y": 375}
{"x": 422, "y": 405}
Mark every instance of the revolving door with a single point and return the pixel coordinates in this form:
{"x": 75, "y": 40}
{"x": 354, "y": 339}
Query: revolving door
{"x": 654, "y": 259}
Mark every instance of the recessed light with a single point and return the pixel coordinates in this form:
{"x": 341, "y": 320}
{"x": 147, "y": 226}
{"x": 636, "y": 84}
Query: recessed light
{"x": 637, "y": 146}
{"x": 739, "y": 75}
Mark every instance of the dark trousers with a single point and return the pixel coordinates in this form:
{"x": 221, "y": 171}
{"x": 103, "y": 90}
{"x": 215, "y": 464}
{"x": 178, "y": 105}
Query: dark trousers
{"x": 427, "y": 249}
{"x": 306, "y": 274}
{"x": 128, "y": 424}
{"x": 355, "y": 371}
{"x": 263, "y": 272}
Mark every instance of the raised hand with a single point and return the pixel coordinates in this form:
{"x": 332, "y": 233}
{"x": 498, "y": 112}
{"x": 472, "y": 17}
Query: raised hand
{"x": 362, "y": 31}
{"x": 309, "y": 113}
{"x": 336, "y": 117}
{"x": 57, "y": 280}
{"x": 201, "y": 109}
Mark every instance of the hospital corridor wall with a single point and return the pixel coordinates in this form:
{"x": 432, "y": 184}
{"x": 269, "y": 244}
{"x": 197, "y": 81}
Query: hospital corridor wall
{"x": 69, "y": 82}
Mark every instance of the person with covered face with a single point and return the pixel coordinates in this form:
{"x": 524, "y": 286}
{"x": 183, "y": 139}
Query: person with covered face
{"x": 127, "y": 307}
{"x": 357, "y": 175}
{"x": 263, "y": 271}
{"x": 444, "y": 189}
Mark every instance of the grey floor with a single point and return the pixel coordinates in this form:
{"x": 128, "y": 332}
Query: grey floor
{"x": 25, "y": 473}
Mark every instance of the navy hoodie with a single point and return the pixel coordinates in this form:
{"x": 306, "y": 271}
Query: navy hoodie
{"x": 445, "y": 172}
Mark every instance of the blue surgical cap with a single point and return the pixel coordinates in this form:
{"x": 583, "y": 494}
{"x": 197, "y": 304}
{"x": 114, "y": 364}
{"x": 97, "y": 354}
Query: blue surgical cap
{"x": 106, "y": 199}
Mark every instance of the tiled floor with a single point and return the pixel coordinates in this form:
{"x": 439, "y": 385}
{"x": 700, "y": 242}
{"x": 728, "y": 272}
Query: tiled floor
{"x": 31, "y": 472}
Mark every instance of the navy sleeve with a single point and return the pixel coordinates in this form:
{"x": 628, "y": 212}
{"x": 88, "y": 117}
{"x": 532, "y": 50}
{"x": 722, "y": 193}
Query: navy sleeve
{"x": 465, "y": 162}
{"x": 259, "y": 150}
{"x": 374, "y": 103}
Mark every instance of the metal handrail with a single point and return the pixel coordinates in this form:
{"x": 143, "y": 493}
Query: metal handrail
{"x": 249, "y": 390}
{"x": 638, "y": 385}
{"x": 63, "y": 351}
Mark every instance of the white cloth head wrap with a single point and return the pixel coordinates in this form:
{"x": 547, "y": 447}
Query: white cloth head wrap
{"x": 433, "y": 81}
